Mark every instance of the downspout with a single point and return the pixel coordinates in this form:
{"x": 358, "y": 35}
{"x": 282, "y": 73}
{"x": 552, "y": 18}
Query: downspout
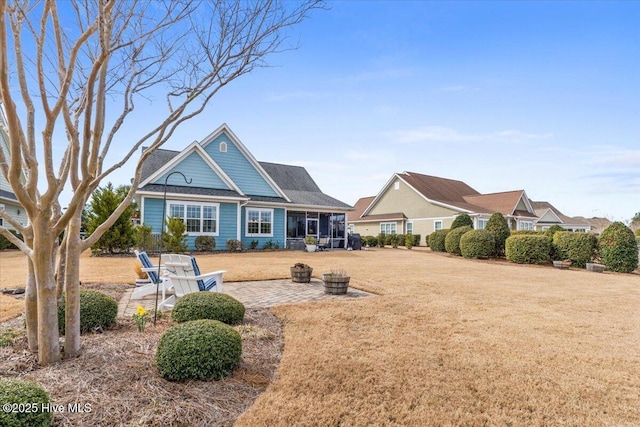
{"x": 239, "y": 220}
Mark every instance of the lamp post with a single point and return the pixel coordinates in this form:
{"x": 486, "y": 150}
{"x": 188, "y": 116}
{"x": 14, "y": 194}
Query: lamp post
{"x": 164, "y": 212}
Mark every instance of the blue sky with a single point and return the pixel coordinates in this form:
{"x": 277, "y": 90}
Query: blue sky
{"x": 541, "y": 96}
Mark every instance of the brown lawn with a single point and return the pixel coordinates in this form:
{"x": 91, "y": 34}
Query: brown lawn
{"x": 448, "y": 342}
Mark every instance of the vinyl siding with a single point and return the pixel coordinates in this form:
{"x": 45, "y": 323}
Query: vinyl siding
{"x": 227, "y": 225}
{"x": 195, "y": 168}
{"x": 407, "y": 201}
{"x": 13, "y": 209}
{"x": 238, "y": 167}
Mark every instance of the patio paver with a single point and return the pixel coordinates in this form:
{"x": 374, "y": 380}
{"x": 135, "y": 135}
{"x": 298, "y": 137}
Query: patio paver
{"x": 262, "y": 293}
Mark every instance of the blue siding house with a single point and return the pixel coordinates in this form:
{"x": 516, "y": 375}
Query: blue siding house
{"x": 232, "y": 196}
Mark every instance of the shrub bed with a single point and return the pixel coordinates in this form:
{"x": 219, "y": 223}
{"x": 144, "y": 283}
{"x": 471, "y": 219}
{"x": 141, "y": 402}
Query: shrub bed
{"x": 580, "y": 248}
{"x": 452, "y": 241}
{"x": 205, "y": 243}
{"x": 208, "y": 305}
{"x": 436, "y": 240}
{"x": 96, "y": 309}
{"x": 17, "y": 394}
{"x": 477, "y": 244}
{"x": 618, "y": 248}
{"x": 527, "y": 249}
{"x": 200, "y": 349}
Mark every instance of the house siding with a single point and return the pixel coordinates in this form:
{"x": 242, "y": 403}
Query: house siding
{"x": 13, "y": 209}
{"x": 197, "y": 170}
{"x": 238, "y": 167}
{"x": 278, "y": 238}
{"x": 227, "y": 225}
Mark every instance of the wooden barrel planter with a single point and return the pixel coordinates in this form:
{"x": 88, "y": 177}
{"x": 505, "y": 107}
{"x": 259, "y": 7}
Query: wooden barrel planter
{"x": 335, "y": 285}
{"x": 301, "y": 274}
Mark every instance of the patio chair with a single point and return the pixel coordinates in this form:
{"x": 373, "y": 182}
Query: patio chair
{"x": 323, "y": 243}
{"x": 156, "y": 282}
{"x": 185, "y": 277}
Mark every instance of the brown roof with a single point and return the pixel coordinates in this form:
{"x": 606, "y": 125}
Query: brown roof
{"x": 360, "y": 206}
{"x": 504, "y": 202}
{"x": 443, "y": 190}
{"x": 381, "y": 217}
{"x": 541, "y": 207}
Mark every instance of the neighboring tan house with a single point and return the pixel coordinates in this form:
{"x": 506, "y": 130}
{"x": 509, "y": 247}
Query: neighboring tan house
{"x": 232, "y": 196}
{"x": 548, "y": 215}
{"x": 8, "y": 201}
{"x": 421, "y": 204}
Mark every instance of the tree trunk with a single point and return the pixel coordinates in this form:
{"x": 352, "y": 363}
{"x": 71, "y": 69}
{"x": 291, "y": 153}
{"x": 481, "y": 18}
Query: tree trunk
{"x": 61, "y": 267}
{"x": 43, "y": 262}
{"x": 31, "y": 307}
{"x": 72, "y": 289}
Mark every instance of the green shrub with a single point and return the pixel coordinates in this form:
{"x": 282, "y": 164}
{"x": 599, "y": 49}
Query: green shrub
{"x": 499, "y": 228}
{"x": 96, "y": 309}
{"x": 143, "y": 239}
{"x": 27, "y": 395}
{"x": 436, "y": 240}
{"x": 208, "y": 305}
{"x": 6, "y": 244}
{"x": 400, "y": 239}
{"x": 477, "y": 244}
{"x": 527, "y": 233}
{"x": 175, "y": 238}
{"x": 205, "y": 243}
{"x": 461, "y": 221}
{"x": 393, "y": 240}
{"x": 426, "y": 240}
{"x": 527, "y": 249}
{"x": 550, "y": 233}
{"x": 382, "y": 240}
{"x": 580, "y": 248}
{"x": 618, "y": 248}
{"x": 452, "y": 241}
{"x": 234, "y": 245}
{"x": 372, "y": 241}
{"x": 200, "y": 349}
{"x": 408, "y": 241}
{"x": 416, "y": 239}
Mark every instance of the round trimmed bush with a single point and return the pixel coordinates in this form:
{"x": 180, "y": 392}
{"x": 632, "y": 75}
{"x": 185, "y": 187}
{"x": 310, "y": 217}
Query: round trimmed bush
{"x": 436, "y": 240}
{"x": 19, "y": 392}
{"x": 499, "y": 228}
{"x": 201, "y": 350}
{"x": 452, "y": 241}
{"x": 618, "y": 248}
{"x": 528, "y": 249}
{"x": 462, "y": 221}
{"x": 580, "y": 248}
{"x": 96, "y": 309}
{"x": 477, "y": 244}
{"x": 205, "y": 243}
{"x": 208, "y": 305}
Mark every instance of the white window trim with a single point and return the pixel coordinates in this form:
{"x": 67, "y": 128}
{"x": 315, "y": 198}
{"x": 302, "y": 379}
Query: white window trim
{"x": 435, "y": 225}
{"x": 486, "y": 221}
{"x": 223, "y": 147}
{"x": 389, "y": 223}
{"x": 522, "y": 223}
{"x": 184, "y": 219}
{"x": 246, "y": 222}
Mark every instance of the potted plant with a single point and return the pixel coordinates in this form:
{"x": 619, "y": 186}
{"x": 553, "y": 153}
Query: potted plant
{"x": 301, "y": 273}
{"x": 336, "y": 282}
{"x": 311, "y": 243}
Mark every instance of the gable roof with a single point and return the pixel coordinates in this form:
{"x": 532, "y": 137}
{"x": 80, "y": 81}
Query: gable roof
{"x": 541, "y": 207}
{"x": 505, "y": 202}
{"x": 299, "y": 187}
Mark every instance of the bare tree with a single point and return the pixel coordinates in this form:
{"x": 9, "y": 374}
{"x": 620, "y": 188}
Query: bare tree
{"x": 74, "y": 72}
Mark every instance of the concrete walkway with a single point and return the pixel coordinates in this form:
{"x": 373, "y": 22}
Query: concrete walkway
{"x": 263, "y": 293}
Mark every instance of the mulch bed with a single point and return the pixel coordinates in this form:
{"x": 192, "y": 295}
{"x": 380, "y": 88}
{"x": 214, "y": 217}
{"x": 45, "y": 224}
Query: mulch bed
{"x": 115, "y": 379}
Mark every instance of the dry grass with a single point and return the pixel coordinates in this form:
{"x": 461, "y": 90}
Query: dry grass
{"x": 450, "y": 342}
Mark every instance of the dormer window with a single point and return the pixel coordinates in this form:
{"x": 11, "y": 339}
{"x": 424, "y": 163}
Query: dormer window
{"x": 223, "y": 147}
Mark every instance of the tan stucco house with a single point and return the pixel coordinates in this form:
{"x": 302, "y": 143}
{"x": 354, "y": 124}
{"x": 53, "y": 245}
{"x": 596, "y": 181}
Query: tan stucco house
{"x": 421, "y": 204}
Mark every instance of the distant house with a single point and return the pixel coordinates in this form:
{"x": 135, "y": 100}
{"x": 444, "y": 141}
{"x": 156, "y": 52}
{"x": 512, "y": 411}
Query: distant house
{"x": 8, "y": 200}
{"x": 232, "y": 196}
{"x": 421, "y": 204}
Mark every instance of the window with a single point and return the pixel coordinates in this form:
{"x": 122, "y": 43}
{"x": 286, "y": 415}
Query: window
{"x": 482, "y": 223}
{"x": 409, "y": 227}
{"x": 223, "y": 147}
{"x": 396, "y": 185}
{"x": 352, "y": 228}
{"x": 259, "y": 222}
{"x": 200, "y": 218}
{"x": 388, "y": 228}
{"x": 525, "y": 225}
{"x": 437, "y": 225}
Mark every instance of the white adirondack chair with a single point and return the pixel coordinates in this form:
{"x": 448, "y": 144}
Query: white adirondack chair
{"x": 157, "y": 282}
{"x": 184, "y": 274}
